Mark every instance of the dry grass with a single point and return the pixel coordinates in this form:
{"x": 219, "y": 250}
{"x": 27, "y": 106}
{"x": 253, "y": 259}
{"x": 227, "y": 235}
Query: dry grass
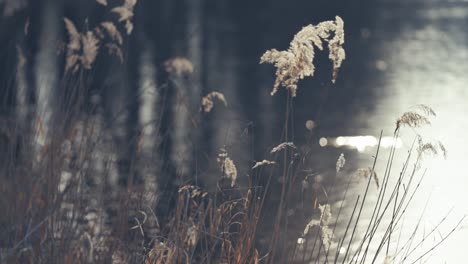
{"x": 62, "y": 204}
{"x": 83, "y": 48}
{"x": 207, "y": 103}
{"x": 298, "y": 61}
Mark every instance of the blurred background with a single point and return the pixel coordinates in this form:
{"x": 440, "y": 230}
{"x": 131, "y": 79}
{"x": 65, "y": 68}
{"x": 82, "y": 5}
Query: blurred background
{"x": 399, "y": 53}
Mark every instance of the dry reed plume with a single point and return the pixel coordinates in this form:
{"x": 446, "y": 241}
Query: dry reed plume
{"x": 125, "y": 13}
{"x": 283, "y": 146}
{"x": 298, "y": 61}
{"x": 263, "y": 163}
{"x": 340, "y": 162}
{"x": 322, "y": 226}
{"x": 227, "y": 166}
{"x": 417, "y": 118}
{"x": 207, "y": 102}
{"x": 178, "y": 66}
{"x": 83, "y": 48}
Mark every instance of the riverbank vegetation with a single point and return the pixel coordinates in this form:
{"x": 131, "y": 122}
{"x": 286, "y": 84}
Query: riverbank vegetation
{"x": 76, "y": 188}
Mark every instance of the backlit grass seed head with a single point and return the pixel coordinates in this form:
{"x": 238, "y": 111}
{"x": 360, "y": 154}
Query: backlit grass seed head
{"x": 340, "y": 163}
{"x": 112, "y": 31}
{"x": 227, "y": 166}
{"x": 431, "y": 148}
{"x": 322, "y": 224}
{"x": 83, "y": 48}
{"x": 443, "y": 149}
{"x": 325, "y": 214}
{"x": 73, "y": 46}
{"x": 282, "y": 146}
{"x": 90, "y": 49}
{"x": 425, "y": 109}
{"x": 414, "y": 119}
{"x": 263, "y": 163}
{"x": 298, "y": 61}
{"x": 125, "y": 13}
{"x": 178, "y": 66}
{"x": 207, "y": 102}
{"x": 102, "y": 2}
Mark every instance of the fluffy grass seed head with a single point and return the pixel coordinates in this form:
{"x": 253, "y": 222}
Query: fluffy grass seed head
{"x": 73, "y": 46}
{"x": 425, "y": 109}
{"x": 82, "y": 48}
{"x": 340, "y": 163}
{"x": 90, "y": 49}
{"x": 431, "y": 148}
{"x": 282, "y": 146}
{"x": 207, "y": 102}
{"x": 326, "y": 234}
{"x": 263, "y": 163}
{"x": 417, "y": 118}
{"x": 298, "y": 61}
{"x": 125, "y": 13}
{"x": 112, "y": 31}
{"x": 227, "y": 166}
{"x": 102, "y": 2}
{"x": 178, "y": 66}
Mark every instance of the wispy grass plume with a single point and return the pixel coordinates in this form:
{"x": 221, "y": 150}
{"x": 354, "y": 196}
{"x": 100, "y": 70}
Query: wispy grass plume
{"x": 298, "y": 61}
{"x": 207, "y": 101}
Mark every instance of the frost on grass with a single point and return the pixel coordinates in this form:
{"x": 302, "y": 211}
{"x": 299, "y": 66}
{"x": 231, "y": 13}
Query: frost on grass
{"x": 263, "y": 163}
{"x": 207, "y": 102}
{"x": 282, "y": 146}
{"x": 298, "y": 61}
{"x": 227, "y": 166}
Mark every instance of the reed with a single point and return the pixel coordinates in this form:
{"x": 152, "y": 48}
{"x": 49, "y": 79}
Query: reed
{"x": 69, "y": 198}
